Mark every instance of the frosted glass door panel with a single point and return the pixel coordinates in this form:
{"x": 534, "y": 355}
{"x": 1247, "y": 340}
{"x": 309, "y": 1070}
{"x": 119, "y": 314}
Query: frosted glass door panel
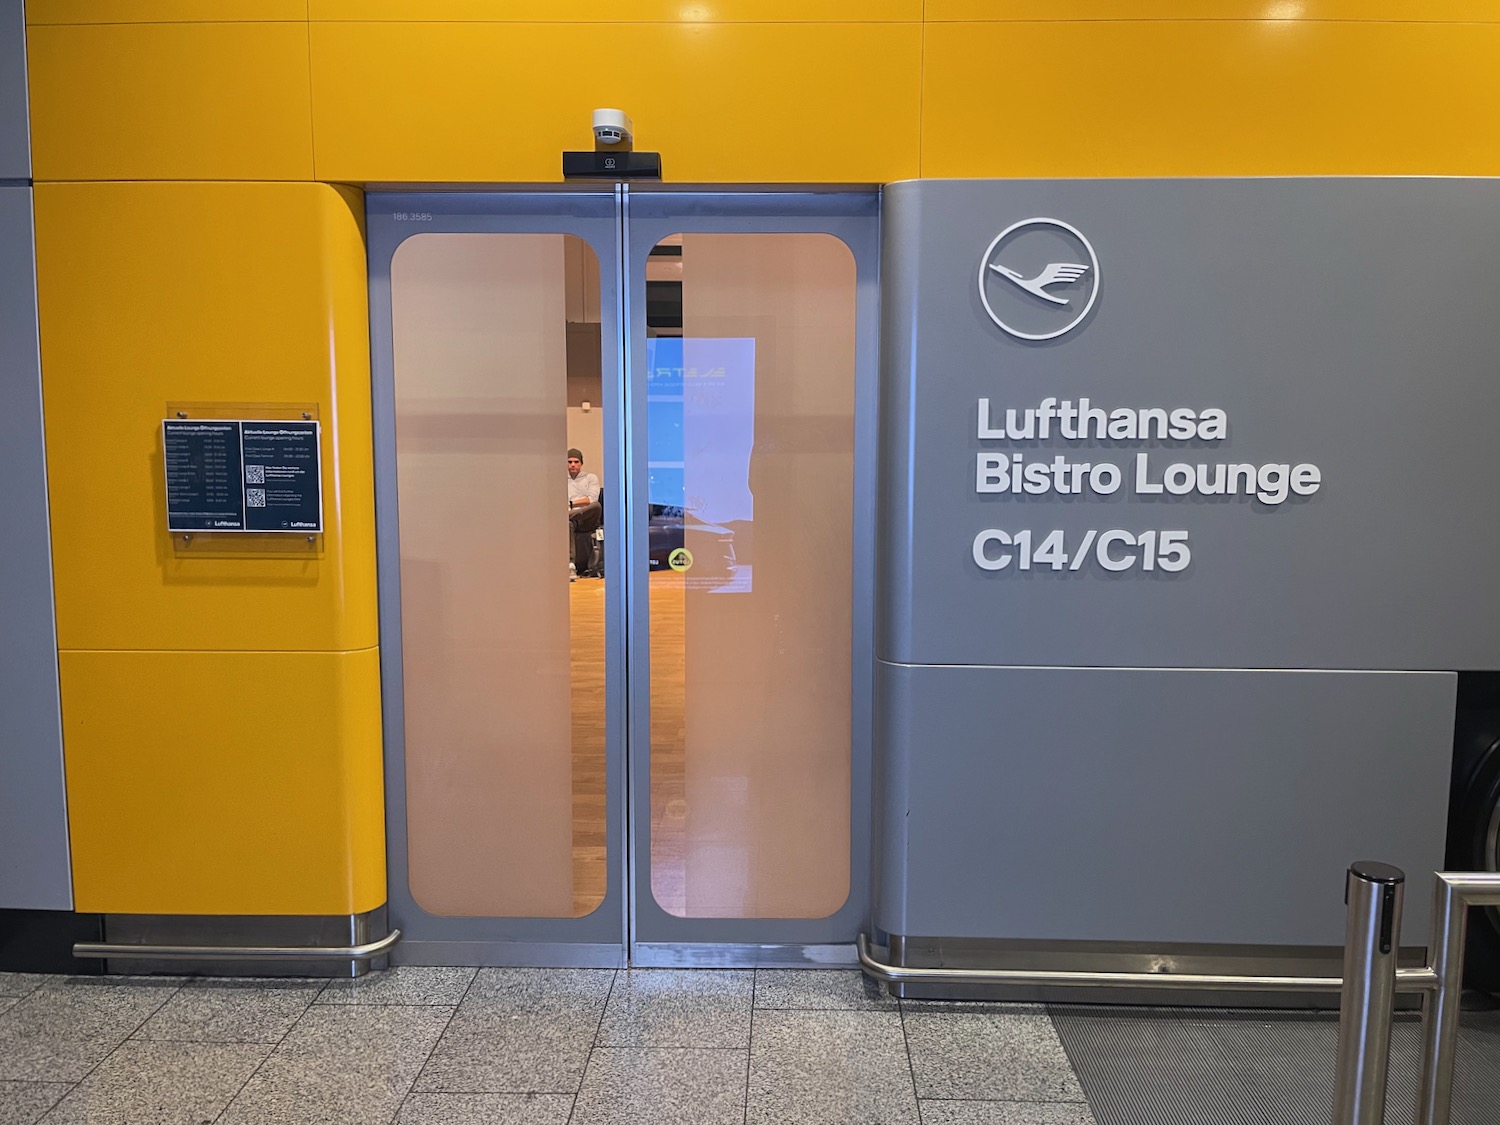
{"x": 751, "y": 494}
{"x": 490, "y": 645}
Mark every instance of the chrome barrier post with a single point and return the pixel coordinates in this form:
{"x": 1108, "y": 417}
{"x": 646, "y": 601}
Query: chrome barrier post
{"x": 1450, "y": 917}
{"x": 1374, "y": 892}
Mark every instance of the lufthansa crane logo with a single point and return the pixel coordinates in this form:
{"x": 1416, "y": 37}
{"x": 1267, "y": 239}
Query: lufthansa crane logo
{"x": 1038, "y": 279}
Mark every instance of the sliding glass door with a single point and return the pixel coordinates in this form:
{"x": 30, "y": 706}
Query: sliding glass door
{"x": 623, "y": 450}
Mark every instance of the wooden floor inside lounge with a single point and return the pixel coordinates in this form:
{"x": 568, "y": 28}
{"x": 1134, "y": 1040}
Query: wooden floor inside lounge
{"x": 589, "y": 854}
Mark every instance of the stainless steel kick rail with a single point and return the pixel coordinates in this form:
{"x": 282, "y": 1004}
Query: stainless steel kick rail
{"x": 1407, "y": 980}
{"x": 133, "y": 951}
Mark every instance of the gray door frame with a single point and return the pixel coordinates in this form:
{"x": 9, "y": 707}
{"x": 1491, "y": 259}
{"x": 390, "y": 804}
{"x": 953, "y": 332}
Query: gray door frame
{"x": 621, "y": 225}
{"x": 659, "y": 938}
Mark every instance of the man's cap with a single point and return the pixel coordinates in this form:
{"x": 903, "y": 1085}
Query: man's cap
{"x": 574, "y": 453}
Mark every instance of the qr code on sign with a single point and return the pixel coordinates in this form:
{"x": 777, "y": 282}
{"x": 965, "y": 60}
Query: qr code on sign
{"x": 255, "y": 497}
{"x": 255, "y": 474}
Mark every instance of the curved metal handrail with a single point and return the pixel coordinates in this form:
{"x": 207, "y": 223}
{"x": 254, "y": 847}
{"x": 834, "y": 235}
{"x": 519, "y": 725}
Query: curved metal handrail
{"x": 131, "y": 950}
{"x": 1407, "y": 980}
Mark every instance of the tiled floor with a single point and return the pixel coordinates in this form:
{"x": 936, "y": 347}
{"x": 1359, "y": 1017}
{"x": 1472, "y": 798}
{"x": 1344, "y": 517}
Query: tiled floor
{"x": 522, "y": 1047}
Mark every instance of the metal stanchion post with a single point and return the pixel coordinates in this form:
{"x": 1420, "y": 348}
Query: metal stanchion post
{"x": 1450, "y": 917}
{"x": 1374, "y": 893}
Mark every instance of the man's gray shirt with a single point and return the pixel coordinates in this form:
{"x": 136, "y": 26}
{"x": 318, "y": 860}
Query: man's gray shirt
{"x": 583, "y": 486}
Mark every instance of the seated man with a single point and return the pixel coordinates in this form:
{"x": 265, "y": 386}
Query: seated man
{"x": 584, "y": 514}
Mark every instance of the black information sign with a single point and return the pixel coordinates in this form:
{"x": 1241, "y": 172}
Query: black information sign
{"x": 204, "y": 492}
{"x": 283, "y": 491}
{"x": 243, "y": 476}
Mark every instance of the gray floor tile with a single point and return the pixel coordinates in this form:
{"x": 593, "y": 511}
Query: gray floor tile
{"x": 820, "y": 989}
{"x": 7, "y": 1003}
{"x": 1005, "y": 1113}
{"x": 679, "y": 1008}
{"x": 22, "y": 984}
{"x": 404, "y": 984}
{"x": 829, "y": 1068}
{"x": 231, "y": 1011}
{"x": 490, "y": 1050}
{"x": 989, "y": 1056}
{"x": 539, "y": 991}
{"x": 341, "y": 1066}
{"x": 662, "y": 1086}
{"x": 520, "y": 1031}
{"x": 66, "y": 1026}
{"x": 23, "y": 1103}
{"x": 486, "y": 1109}
{"x": 160, "y": 1083}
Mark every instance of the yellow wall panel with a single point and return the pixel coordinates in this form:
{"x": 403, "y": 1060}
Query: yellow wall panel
{"x": 162, "y": 11}
{"x": 170, "y": 101}
{"x": 500, "y": 102}
{"x": 610, "y": 11}
{"x": 224, "y": 783}
{"x": 157, "y": 293}
{"x": 1210, "y": 99}
{"x": 1404, "y": 11}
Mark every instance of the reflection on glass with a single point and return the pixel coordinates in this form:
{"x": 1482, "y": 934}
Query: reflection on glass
{"x": 702, "y": 430}
{"x": 750, "y": 450}
{"x": 502, "y": 655}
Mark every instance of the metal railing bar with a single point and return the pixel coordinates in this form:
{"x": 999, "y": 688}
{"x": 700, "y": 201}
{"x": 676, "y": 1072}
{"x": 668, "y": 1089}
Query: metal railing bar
{"x": 1452, "y": 896}
{"x": 134, "y": 951}
{"x": 1407, "y": 980}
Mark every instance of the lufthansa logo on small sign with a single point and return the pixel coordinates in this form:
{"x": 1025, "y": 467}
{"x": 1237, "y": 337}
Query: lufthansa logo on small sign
{"x": 1038, "y": 279}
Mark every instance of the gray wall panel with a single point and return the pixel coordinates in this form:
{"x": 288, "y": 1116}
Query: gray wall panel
{"x": 1154, "y": 806}
{"x": 33, "y": 815}
{"x": 1346, "y": 323}
{"x": 15, "y": 132}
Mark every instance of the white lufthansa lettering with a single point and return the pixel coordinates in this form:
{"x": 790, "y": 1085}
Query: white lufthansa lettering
{"x": 1271, "y": 483}
{"x": 1082, "y": 421}
{"x": 1113, "y": 551}
{"x": 981, "y": 556}
{"x": 1143, "y": 485}
{"x": 991, "y": 473}
{"x": 1043, "y": 472}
